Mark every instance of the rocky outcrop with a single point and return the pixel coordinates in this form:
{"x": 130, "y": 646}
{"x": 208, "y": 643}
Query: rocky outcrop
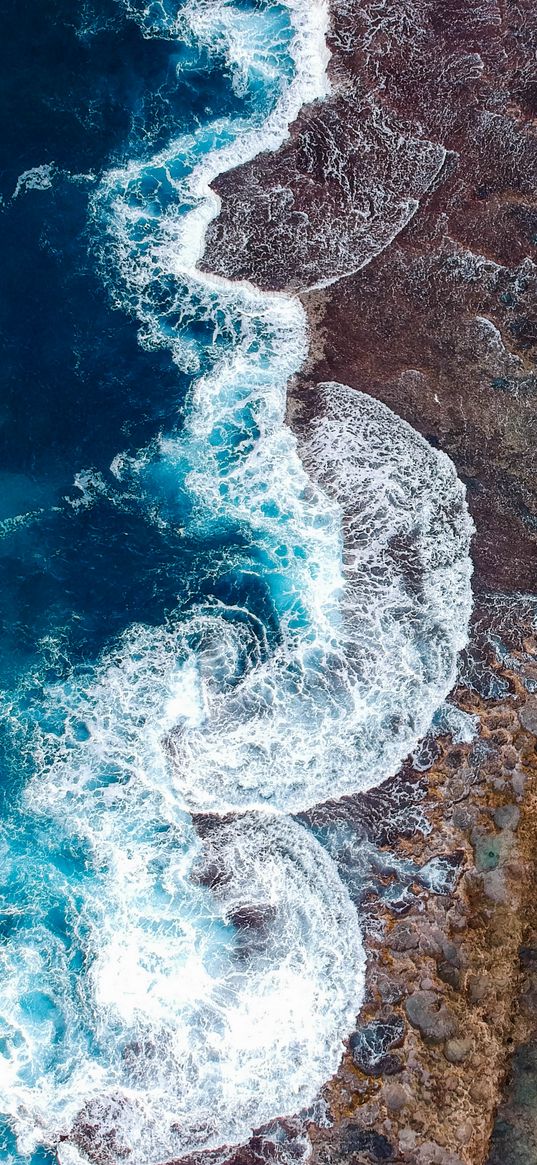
{"x": 403, "y": 210}
{"x": 442, "y": 868}
{"x": 413, "y": 187}
{"x": 448, "y": 972}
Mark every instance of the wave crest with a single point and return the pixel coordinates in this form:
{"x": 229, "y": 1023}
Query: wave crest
{"x": 340, "y": 709}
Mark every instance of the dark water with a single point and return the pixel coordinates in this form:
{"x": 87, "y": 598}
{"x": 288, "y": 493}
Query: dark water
{"x": 127, "y": 555}
{"x": 78, "y": 91}
{"x": 176, "y": 633}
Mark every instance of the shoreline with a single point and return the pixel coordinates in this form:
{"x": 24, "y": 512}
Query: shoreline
{"x": 438, "y": 325}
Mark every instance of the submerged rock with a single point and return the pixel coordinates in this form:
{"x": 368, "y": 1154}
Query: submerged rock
{"x": 371, "y": 1044}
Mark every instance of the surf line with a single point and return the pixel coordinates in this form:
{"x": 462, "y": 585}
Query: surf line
{"x": 176, "y": 1038}
{"x": 314, "y": 703}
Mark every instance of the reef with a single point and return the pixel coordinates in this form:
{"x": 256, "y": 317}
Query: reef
{"x": 430, "y": 128}
{"x": 402, "y": 211}
{"x": 449, "y": 931}
{"x": 440, "y": 862}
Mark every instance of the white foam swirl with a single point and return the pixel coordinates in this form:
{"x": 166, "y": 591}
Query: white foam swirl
{"x": 339, "y": 710}
{"x": 209, "y": 983}
{"x": 219, "y": 983}
{"x": 181, "y": 1008}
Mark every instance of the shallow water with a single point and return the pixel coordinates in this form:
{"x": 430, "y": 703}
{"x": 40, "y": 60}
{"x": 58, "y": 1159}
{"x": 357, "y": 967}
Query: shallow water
{"x": 195, "y": 616}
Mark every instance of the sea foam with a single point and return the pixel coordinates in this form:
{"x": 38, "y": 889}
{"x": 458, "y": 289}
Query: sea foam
{"x": 339, "y": 705}
{"x": 177, "y": 987}
{"x": 196, "y": 988}
{"x": 168, "y": 994}
{"x": 218, "y": 982}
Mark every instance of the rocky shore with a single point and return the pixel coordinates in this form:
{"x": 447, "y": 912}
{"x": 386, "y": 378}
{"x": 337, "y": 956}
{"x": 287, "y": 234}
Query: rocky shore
{"x": 441, "y": 863}
{"x": 449, "y": 932}
{"x": 411, "y": 191}
{"x": 403, "y": 211}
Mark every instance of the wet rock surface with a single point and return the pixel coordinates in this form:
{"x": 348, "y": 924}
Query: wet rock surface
{"x": 435, "y": 306}
{"x": 514, "y": 1139}
{"x": 411, "y": 191}
{"x": 452, "y": 985}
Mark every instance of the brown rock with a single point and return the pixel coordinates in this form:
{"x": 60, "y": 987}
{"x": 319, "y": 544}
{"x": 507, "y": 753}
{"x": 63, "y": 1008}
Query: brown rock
{"x": 432, "y": 1017}
{"x": 395, "y": 1097}
{"x": 528, "y": 714}
{"x": 457, "y": 1051}
{"x": 507, "y": 817}
{"x": 434, "y": 1154}
{"x": 464, "y": 1133}
{"x": 478, "y": 987}
{"x": 404, "y": 937}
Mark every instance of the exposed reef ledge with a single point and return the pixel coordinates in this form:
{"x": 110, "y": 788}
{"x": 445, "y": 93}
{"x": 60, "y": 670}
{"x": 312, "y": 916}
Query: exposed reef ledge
{"x": 442, "y": 867}
{"x": 413, "y": 186}
{"x": 410, "y": 192}
{"x": 451, "y": 910}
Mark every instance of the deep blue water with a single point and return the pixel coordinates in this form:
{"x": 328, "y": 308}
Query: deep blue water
{"x": 78, "y": 90}
{"x": 127, "y": 554}
{"x": 178, "y": 634}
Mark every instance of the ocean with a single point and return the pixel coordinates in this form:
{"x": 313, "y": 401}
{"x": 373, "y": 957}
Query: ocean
{"x": 185, "y": 664}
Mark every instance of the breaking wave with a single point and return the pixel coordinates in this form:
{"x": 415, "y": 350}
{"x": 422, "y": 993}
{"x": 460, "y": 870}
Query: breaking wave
{"x": 337, "y": 707}
{"x": 177, "y": 982}
{"x": 219, "y": 980}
